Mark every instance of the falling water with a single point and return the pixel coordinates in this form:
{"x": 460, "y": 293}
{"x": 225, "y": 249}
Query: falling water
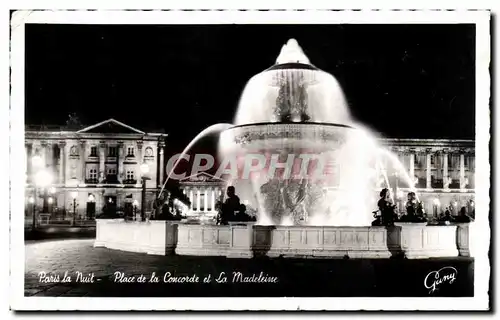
{"x": 215, "y": 128}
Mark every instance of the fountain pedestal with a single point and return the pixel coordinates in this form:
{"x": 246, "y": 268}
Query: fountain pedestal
{"x": 151, "y": 237}
{"x": 463, "y": 239}
{"x": 421, "y": 241}
{"x": 232, "y": 241}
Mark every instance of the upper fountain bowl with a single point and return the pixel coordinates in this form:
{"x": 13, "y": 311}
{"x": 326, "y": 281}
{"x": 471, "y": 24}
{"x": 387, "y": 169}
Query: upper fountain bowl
{"x": 293, "y": 90}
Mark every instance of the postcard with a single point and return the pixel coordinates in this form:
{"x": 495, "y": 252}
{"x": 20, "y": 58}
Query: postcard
{"x": 250, "y": 160}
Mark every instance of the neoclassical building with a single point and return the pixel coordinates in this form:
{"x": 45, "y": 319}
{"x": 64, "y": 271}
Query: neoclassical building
{"x": 442, "y": 172}
{"x": 100, "y": 166}
{"x": 88, "y": 169}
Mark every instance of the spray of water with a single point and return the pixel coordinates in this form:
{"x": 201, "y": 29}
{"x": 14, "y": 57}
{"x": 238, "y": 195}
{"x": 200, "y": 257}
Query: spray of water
{"x": 215, "y": 128}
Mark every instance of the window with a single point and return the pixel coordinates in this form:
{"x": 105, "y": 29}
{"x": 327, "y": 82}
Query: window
{"x": 112, "y": 151}
{"x": 450, "y": 161}
{"x": 93, "y": 174}
{"x": 93, "y": 151}
{"x": 130, "y": 175}
{"x": 466, "y": 161}
{"x": 130, "y": 151}
{"x": 111, "y": 171}
{"x": 433, "y": 160}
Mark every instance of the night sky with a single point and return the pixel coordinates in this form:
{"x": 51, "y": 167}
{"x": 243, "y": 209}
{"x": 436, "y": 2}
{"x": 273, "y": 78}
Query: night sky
{"x": 410, "y": 81}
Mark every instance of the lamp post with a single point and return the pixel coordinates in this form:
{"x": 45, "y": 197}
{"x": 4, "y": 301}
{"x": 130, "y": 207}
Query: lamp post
{"x": 144, "y": 178}
{"x": 74, "y": 195}
{"x": 436, "y": 203}
{"x": 42, "y": 180}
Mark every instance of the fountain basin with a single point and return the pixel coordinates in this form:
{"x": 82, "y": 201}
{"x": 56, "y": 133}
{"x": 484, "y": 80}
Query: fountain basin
{"x": 233, "y": 240}
{"x": 151, "y": 237}
{"x": 286, "y": 135}
{"x": 247, "y": 240}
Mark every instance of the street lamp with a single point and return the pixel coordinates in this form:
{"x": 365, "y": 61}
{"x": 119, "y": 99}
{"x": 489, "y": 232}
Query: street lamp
{"x": 74, "y": 195}
{"x": 436, "y": 203}
{"x": 42, "y": 179}
{"x": 144, "y": 177}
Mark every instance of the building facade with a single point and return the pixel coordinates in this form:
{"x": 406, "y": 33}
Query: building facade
{"x": 442, "y": 172}
{"x": 97, "y": 167}
{"x": 101, "y": 166}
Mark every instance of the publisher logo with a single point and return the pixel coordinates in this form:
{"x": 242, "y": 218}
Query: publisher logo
{"x": 445, "y": 275}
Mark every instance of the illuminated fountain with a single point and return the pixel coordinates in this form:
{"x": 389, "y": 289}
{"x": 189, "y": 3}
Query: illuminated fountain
{"x": 309, "y": 169}
{"x": 297, "y": 113}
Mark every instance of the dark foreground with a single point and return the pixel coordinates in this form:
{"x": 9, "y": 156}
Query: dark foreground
{"x": 295, "y": 277}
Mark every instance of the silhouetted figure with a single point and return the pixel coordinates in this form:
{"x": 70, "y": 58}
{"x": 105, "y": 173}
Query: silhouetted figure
{"x": 231, "y": 207}
{"x": 387, "y": 208}
{"x": 463, "y": 217}
{"x": 414, "y": 210}
{"x": 447, "y": 217}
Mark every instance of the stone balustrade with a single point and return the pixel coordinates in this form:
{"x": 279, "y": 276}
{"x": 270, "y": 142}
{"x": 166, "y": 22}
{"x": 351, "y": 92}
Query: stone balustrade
{"x": 246, "y": 240}
{"x": 151, "y": 237}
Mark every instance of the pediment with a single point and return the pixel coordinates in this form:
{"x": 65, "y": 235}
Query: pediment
{"x": 111, "y": 126}
{"x": 202, "y": 177}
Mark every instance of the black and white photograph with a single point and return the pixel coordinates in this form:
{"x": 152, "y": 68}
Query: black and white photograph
{"x": 295, "y": 160}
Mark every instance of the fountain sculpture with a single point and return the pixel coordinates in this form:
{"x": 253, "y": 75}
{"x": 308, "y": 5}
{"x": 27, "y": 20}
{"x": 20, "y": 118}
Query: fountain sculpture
{"x": 294, "y": 113}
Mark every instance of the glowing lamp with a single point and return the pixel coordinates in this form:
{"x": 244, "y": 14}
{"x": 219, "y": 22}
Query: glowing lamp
{"x": 436, "y": 202}
{"x": 31, "y": 200}
{"x": 52, "y": 190}
{"x": 50, "y": 200}
{"x": 144, "y": 168}
{"x": 43, "y": 178}
{"x": 399, "y": 194}
{"x": 91, "y": 198}
{"x": 135, "y": 203}
{"x": 37, "y": 161}
{"x": 74, "y": 194}
{"x": 472, "y": 203}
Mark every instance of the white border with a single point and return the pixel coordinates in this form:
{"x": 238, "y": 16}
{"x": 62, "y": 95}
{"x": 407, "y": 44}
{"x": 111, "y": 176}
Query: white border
{"x": 481, "y": 236}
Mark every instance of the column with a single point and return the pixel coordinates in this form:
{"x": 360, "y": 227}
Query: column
{"x": 139, "y": 159}
{"x": 102, "y": 149}
{"x": 428, "y": 170}
{"x": 29, "y": 151}
{"x": 445, "y": 170}
{"x": 43, "y": 153}
{"x": 83, "y": 160}
{"x": 191, "y": 198}
{"x": 119, "y": 162}
{"x": 205, "y": 200}
{"x": 62, "y": 161}
{"x": 162, "y": 165}
{"x": 198, "y": 200}
{"x": 462, "y": 171}
{"x": 213, "y": 199}
{"x": 48, "y": 158}
{"x": 412, "y": 166}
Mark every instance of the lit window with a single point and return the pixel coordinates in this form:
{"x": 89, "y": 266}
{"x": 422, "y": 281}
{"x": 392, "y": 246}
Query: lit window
{"x": 93, "y": 174}
{"x": 130, "y": 175}
{"x": 112, "y": 152}
{"x": 130, "y": 151}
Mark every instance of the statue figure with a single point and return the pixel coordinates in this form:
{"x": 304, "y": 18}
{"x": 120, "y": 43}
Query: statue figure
{"x": 386, "y": 208}
{"x": 291, "y": 104}
{"x": 414, "y": 210}
{"x": 232, "y": 209}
